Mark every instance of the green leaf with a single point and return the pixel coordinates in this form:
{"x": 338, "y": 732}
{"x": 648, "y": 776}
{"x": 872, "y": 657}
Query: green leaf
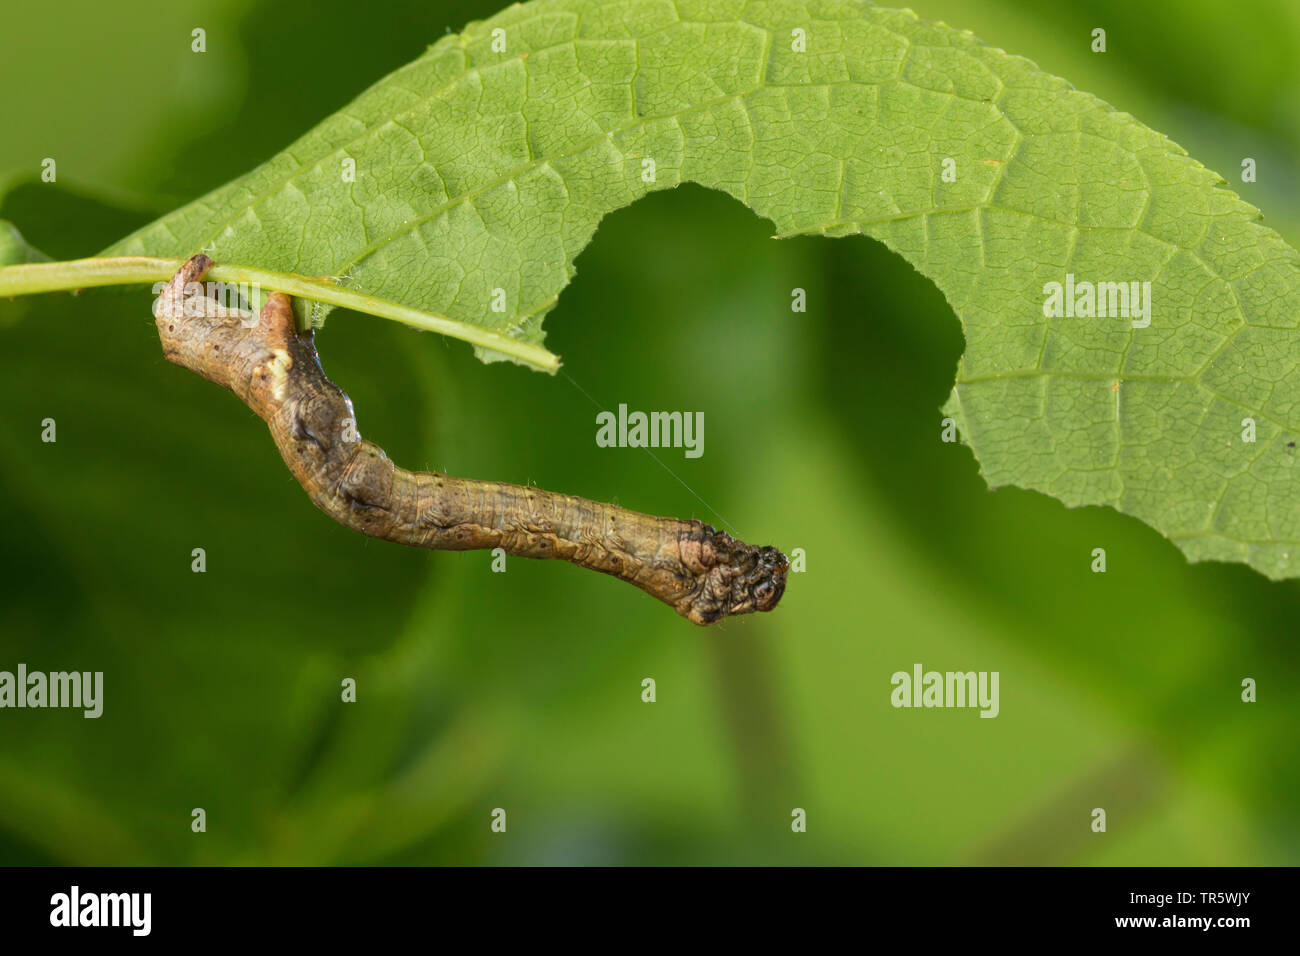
{"x": 483, "y": 172}
{"x": 14, "y": 249}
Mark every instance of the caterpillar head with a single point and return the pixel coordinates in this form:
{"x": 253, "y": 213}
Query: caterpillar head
{"x": 742, "y": 579}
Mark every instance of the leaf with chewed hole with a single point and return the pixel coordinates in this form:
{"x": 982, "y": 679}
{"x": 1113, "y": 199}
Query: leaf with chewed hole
{"x": 474, "y": 176}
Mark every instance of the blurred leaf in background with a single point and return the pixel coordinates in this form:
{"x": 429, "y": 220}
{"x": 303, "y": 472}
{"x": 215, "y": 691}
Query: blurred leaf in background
{"x": 523, "y": 690}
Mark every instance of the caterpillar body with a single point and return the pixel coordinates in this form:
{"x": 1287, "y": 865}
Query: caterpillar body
{"x": 703, "y": 573}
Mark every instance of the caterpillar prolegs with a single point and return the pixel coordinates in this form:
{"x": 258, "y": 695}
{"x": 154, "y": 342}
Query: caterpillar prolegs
{"x": 703, "y": 573}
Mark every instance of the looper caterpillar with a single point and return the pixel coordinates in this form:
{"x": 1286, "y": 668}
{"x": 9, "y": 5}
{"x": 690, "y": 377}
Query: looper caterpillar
{"x": 703, "y": 573}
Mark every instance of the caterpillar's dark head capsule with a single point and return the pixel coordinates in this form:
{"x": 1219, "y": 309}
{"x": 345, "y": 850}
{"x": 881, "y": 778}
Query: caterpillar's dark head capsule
{"x": 768, "y": 580}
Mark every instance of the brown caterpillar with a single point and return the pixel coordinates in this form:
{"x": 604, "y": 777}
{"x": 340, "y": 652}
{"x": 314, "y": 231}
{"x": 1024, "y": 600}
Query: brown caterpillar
{"x": 703, "y": 573}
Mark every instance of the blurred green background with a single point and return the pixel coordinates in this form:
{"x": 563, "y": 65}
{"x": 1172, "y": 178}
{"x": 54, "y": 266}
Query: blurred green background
{"x": 522, "y": 690}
